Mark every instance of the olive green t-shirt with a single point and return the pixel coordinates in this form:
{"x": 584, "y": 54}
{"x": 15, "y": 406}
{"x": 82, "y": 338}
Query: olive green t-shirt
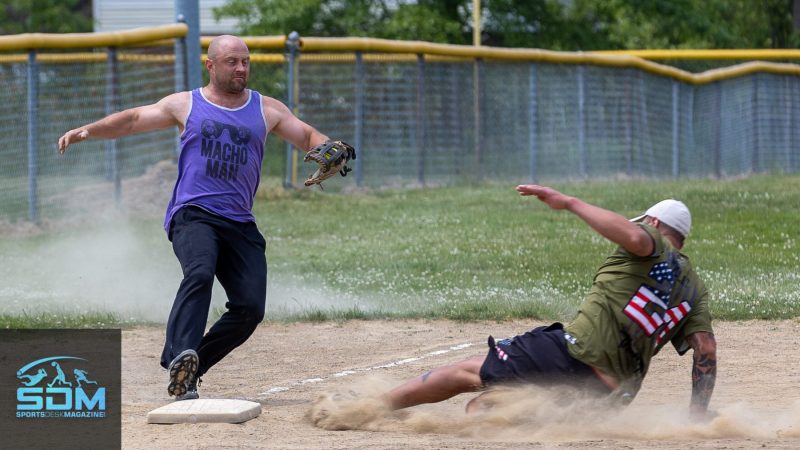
{"x": 637, "y": 305}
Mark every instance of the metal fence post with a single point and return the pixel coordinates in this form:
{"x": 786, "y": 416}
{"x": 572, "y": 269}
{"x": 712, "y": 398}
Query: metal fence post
{"x": 645, "y": 139}
{"x": 476, "y": 113}
{"x": 690, "y": 122}
{"x": 293, "y": 47}
{"x": 190, "y": 10}
{"x": 33, "y": 142}
{"x": 794, "y": 146}
{"x": 628, "y": 121}
{"x": 717, "y": 124}
{"x": 675, "y": 129}
{"x": 756, "y": 155}
{"x": 420, "y": 128}
{"x": 532, "y": 122}
{"x": 359, "y": 116}
{"x": 582, "y": 163}
{"x": 181, "y": 68}
{"x": 111, "y": 106}
{"x": 787, "y": 133}
{"x": 181, "y": 75}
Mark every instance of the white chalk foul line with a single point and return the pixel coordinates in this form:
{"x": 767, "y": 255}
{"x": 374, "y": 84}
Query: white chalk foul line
{"x": 347, "y": 373}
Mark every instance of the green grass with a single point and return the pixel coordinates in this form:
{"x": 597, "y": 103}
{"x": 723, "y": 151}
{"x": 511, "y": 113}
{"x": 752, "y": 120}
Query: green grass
{"x": 485, "y": 253}
{"x": 63, "y": 320}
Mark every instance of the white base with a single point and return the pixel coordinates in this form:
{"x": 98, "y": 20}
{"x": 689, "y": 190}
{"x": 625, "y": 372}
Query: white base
{"x": 205, "y": 411}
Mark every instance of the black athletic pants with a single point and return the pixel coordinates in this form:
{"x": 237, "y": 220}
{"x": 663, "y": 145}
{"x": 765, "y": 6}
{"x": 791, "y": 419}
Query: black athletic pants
{"x": 539, "y": 356}
{"x": 209, "y": 245}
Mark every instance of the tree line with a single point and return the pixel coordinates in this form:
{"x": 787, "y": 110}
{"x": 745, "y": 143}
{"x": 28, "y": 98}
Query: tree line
{"x": 569, "y": 25}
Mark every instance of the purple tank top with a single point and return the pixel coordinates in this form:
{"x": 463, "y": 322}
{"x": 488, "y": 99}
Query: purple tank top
{"x": 219, "y": 166}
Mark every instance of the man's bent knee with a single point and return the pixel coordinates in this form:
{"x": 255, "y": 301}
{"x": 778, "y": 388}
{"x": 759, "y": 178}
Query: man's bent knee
{"x": 200, "y": 276}
{"x": 248, "y": 314}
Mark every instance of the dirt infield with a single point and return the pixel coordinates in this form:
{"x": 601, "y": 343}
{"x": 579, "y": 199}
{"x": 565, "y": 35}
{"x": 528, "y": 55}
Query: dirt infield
{"x": 287, "y": 368}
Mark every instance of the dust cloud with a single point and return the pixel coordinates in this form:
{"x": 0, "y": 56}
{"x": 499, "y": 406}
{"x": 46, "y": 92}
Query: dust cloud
{"x": 108, "y": 269}
{"x": 531, "y": 413}
{"x": 131, "y": 271}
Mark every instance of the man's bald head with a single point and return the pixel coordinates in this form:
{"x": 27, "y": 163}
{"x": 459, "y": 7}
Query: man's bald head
{"x": 225, "y": 43}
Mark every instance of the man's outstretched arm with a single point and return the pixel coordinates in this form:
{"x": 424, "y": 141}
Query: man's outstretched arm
{"x": 609, "y": 224}
{"x": 167, "y": 112}
{"x": 289, "y": 128}
{"x": 704, "y": 371}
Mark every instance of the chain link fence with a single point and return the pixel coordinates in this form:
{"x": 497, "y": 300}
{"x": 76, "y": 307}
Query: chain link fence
{"x": 51, "y": 93}
{"x": 417, "y": 119}
{"x": 431, "y": 123}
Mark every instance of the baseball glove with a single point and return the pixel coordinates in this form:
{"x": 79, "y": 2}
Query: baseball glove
{"x": 332, "y": 158}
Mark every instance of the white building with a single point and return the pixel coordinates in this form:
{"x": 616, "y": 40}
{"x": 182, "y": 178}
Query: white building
{"x": 117, "y": 15}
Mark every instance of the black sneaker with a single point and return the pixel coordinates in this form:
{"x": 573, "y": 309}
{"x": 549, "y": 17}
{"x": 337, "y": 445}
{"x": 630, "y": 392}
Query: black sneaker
{"x": 191, "y": 391}
{"x": 182, "y": 371}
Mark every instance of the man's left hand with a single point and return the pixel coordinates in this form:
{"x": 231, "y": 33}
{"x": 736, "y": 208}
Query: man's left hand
{"x": 549, "y": 196}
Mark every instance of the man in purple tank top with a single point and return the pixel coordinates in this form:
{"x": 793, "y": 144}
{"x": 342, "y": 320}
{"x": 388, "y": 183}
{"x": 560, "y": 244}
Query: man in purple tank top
{"x": 209, "y": 219}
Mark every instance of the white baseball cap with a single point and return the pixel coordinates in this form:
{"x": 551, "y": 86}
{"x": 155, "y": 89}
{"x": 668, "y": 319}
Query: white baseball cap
{"x": 673, "y": 213}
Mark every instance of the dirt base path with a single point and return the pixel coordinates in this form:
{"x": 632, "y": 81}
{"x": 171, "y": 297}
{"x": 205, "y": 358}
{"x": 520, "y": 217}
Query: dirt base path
{"x": 288, "y": 367}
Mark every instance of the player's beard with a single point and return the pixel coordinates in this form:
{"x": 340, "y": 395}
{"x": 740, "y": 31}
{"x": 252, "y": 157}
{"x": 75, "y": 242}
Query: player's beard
{"x": 236, "y": 85}
{"x": 233, "y": 85}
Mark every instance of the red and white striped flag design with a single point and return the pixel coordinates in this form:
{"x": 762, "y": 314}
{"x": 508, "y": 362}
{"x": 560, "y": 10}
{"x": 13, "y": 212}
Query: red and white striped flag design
{"x": 672, "y": 317}
{"x": 636, "y": 312}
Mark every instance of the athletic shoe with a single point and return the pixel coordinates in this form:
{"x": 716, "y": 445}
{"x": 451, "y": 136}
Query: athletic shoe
{"x": 191, "y": 391}
{"x": 182, "y": 371}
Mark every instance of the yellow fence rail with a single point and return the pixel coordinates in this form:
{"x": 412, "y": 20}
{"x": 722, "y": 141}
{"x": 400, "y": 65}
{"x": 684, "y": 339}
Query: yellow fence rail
{"x": 331, "y": 48}
{"x": 43, "y": 41}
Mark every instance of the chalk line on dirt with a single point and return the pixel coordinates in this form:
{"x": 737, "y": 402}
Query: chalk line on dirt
{"x": 354, "y": 371}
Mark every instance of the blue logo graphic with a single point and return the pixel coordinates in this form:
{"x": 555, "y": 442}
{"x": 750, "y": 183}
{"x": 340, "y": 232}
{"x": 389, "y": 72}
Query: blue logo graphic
{"x": 47, "y": 392}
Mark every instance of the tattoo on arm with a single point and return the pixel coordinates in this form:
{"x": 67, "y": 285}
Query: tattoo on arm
{"x": 426, "y": 375}
{"x": 704, "y": 370}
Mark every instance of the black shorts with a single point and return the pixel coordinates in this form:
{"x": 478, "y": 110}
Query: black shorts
{"x": 538, "y": 357}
